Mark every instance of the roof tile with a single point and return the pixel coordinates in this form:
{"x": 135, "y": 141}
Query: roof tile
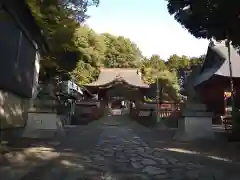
{"x": 109, "y": 75}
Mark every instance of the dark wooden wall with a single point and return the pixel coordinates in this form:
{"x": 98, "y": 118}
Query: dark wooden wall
{"x": 17, "y": 58}
{"x": 212, "y": 93}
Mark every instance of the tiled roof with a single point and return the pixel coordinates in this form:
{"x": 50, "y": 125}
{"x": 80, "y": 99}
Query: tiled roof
{"x": 109, "y": 75}
{"x": 217, "y": 63}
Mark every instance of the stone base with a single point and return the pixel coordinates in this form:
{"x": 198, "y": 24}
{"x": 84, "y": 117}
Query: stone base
{"x": 193, "y": 128}
{"x": 43, "y": 125}
{"x": 116, "y": 112}
{"x": 12, "y": 110}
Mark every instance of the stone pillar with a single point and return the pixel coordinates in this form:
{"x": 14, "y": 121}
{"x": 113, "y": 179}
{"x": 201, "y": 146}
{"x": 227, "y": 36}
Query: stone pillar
{"x": 195, "y": 123}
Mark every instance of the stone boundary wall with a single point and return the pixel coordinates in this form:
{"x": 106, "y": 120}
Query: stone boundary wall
{"x": 13, "y": 114}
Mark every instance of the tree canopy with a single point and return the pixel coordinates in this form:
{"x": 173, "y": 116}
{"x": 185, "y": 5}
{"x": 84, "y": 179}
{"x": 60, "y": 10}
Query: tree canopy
{"x": 166, "y": 72}
{"x": 59, "y": 20}
{"x": 121, "y": 52}
{"x": 79, "y": 52}
{"x": 218, "y": 19}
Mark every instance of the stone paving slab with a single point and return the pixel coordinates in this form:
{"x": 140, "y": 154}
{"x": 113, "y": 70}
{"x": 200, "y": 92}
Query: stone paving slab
{"x": 123, "y": 152}
{"x": 120, "y": 154}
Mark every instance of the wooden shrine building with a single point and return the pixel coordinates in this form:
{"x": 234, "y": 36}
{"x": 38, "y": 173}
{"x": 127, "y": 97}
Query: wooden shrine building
{"x": 22, "y": 46}
{"x": 119, "y": 82}
{"x": 214, "y": 78}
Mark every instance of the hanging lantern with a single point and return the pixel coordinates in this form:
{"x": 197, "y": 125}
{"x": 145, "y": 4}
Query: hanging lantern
{"x": 227, "y": 95}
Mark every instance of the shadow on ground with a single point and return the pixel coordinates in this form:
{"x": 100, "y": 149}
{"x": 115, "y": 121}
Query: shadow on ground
{"x": 36, "y": 156}
{"x": 71, "y": 152}
{"x": 212, "y": 152}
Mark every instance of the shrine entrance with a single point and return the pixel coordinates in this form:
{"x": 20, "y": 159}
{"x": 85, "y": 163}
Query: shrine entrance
{"x": 119, "y": 89}
{"x": 120, "y": 97}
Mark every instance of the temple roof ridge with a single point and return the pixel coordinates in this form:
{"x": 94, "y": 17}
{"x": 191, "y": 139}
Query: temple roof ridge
{"x": 217, "y": 62}
{"x": 128, "y": 75}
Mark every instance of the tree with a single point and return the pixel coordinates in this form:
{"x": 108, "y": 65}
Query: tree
{"x": 83, "y": 73}
{"x": 78, "y": 8}
{"x": 168, "y": 86}
{"x": 102, "y": 50}
{"x": 92, "y": 48}
{"x": 59, "y": 21}
{"x": 218, "y": 19}
{"x": 197, "y": 60}
{"x": 184, "y": 62}
{"x": 150, "y": 67}
{"x": 157, "y": 62}
{"x": 121, "y": 52}
{"x": 173, "y": 62}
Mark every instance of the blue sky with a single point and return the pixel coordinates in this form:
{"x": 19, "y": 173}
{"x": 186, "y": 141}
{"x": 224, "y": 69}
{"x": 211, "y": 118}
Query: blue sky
{"x": 148, "y": 24}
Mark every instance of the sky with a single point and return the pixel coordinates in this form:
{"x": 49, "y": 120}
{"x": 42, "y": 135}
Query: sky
{"x": 148, "y": 24}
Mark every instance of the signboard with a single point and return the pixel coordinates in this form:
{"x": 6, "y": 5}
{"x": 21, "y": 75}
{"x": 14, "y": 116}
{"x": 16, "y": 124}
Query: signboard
{"x": 181, "y": 78}
{"x": 183, "y": 74}
{"x": 116, "y": 112}
{"x": 144, "y": 113}
{"x": 69, "y": 87}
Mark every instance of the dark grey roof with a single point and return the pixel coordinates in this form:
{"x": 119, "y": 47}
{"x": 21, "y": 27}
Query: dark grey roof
{"x": 22, "y": 15}
{"x": 217, "y": 63}
{"x": 109, "y": 75}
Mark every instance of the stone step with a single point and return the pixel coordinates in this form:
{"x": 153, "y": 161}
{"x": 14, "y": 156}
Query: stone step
{"x": 195, "y": 107}
{"x": 187, "y": 113}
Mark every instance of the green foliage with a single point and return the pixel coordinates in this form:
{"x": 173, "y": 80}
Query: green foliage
{"x": 102, "y": 50}
{"x": 76, "y": 49}
{"x": 168, "y": 86}
{"x": 121, "y": 52}
{"x": 59, "y": 20}
{"x": 78, "y": 8}
{"x": 166, "y": 72}
{"x": 169, "y": 83}
{"x": 173, "y": 62}
{"x": 218, "y": 19}
{"x": 147, "y": 99}
{"x": 197, "y": 60}
{"x": 150, "y": 67}
{"x": 176, "y": 62}
{"x": 83, "y": 73}
{"x": 80, "y": 52}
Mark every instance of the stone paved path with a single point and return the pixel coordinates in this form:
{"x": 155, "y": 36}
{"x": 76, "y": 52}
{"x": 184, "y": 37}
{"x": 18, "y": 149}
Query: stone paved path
{"x": 118, "y": 153}
{"x": 122, "y": 152}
